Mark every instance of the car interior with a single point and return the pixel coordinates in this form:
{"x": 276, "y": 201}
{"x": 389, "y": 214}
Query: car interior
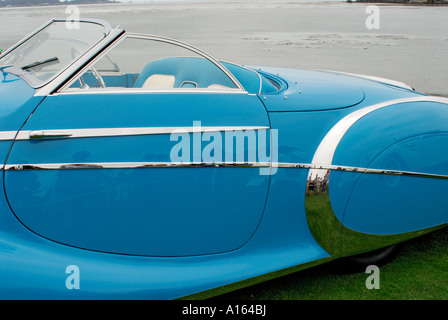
{"x": 180, "y": 73}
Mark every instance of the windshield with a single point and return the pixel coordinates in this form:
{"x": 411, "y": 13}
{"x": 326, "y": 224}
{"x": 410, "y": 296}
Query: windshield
{"x": 51, "y": 50}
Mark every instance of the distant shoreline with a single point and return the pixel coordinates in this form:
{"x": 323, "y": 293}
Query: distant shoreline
{"x": 404, "y": 2}
{"x": 46, "y": 3}
{"x": 11, "y": 4}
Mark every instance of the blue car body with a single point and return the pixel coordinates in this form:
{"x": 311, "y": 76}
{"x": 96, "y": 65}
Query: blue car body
{"x": 81, "y": 188}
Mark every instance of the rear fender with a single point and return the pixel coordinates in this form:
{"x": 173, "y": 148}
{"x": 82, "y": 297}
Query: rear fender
{"x": 375, "y": 164}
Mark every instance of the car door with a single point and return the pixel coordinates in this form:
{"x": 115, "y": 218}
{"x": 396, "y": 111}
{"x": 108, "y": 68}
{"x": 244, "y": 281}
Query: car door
{"x": 141, "y": 171}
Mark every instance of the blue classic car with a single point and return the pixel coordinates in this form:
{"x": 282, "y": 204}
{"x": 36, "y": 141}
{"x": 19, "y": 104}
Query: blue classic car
{"x": 139, "y": 167}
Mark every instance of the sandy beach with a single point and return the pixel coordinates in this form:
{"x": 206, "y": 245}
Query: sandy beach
{"x": 411, "y": 44}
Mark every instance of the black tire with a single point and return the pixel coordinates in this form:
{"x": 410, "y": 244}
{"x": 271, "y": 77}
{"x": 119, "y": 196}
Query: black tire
{"x": 360, "y": 262}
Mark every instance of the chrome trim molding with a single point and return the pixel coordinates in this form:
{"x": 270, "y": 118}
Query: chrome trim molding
{"x": 103, "y": 23}
{"x": 48, "y": 87}
{"x": 320, "y": 170}
{"x": 132, "y": 165}
{"x": 72, "y": 70}
{"x": 114, "y": 132}
{"x": 7, "y": 135}
{"x": 150, "y": 91}
{"x": 4, "y": 53}
{"x": 326, "y": 229}
{"x": 116, "y": 35}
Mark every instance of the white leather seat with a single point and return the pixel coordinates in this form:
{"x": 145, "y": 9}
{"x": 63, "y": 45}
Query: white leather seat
{"x": 159, "y": 81}
{"x": 217, "y": 86}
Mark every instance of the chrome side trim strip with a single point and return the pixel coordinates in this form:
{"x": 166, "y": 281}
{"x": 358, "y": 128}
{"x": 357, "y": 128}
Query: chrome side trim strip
{"x": 7, "y": 135}
{"x": 136, "y": 165}
{"x": 325, "y": 168}
{"x": 148, "y": 91}
{"x": 131, "y": 165}
{"x": 114, "y": 132}
{"x": 406, "y": 173}
{"x": 325, "y": 227}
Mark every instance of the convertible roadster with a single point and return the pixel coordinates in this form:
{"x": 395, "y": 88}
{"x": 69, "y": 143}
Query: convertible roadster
{"x": 139, "y": 167}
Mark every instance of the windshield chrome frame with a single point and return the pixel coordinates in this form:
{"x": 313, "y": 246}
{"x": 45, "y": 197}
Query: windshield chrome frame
{"x": 239, "y": 88}
{"x": 29, "y": 36}
{"x": 104, "y": 24}
{"x": 93, "y": 54}
{"x": 72, "y": 71}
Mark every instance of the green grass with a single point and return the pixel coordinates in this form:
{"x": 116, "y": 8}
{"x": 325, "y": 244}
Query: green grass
{"x": 419, "y": 272}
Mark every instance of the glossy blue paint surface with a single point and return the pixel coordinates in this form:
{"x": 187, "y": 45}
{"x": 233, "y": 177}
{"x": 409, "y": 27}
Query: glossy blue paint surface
{"x": 362, "y": 143}
{"x": 404, "y": 137}
{"x": 156, "y": 212}
{"x": 34, "y": 268}
{"x": 309, "y": 90}
{"x": 15, "y": 94}
{"x": 153, "y": 212}
{"x": 164, "y": 233}
{"x": 16, "y": 104}
{"x": 313, "y": 91}
{"x": 407, "y": 203}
